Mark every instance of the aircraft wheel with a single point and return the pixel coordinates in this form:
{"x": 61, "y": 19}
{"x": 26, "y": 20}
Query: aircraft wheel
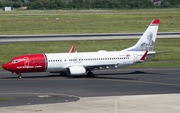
{"x": 90, "y": 74}
{"x": 19, "y": 76}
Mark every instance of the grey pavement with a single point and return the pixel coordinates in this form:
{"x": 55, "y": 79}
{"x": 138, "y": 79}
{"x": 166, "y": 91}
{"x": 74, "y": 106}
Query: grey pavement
{"x": 163, "y": 103}
{"x": 110, "y": 91}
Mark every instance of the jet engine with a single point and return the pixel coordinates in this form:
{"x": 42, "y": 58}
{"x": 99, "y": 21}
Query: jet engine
{"x": 76, "y": 70}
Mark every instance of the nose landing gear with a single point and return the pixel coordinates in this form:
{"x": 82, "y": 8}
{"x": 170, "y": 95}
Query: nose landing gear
{"x": 19, "y": 74}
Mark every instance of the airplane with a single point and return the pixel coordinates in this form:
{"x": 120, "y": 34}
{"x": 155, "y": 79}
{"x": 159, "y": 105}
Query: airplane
{"x": 83, "y": 63}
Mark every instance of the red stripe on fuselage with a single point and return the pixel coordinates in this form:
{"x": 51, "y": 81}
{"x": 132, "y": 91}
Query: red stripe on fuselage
{"x": 29, "y": 63}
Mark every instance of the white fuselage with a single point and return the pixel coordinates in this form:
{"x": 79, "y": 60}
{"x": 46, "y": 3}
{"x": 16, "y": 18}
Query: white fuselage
{"x": 91, "y": 60}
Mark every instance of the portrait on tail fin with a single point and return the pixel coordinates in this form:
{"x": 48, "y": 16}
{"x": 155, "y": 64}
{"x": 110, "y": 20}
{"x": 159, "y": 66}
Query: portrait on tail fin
{"x": 149, "y": 45}
{"x": 147, "y": 40}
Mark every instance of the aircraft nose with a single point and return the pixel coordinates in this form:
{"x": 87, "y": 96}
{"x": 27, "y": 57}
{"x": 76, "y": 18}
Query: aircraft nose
{"x": 5, "y": 66}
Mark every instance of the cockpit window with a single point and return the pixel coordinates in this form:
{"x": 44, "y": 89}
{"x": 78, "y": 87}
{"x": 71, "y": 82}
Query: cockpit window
{"x": 13, "y": 61}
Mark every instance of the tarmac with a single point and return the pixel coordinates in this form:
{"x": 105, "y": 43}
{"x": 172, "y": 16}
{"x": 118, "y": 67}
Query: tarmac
{"x": 158, "y": 103}
{"x": 110, "y": 91}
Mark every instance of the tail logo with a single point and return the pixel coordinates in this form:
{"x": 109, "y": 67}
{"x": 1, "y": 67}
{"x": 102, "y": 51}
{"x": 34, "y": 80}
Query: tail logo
{"x": 147, "y": 40}
{"x": 149, "y": 44}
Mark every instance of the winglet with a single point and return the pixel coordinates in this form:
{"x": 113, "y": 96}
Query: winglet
{"x": 155, "y": 22}
{"x": 144, "y": 56}
{"x": 72, "y": 49}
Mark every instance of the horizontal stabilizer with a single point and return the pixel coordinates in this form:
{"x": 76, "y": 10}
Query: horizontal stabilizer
{"x": 160, "y": 52}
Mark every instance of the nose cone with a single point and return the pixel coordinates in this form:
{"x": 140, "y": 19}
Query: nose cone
{"x": 5, "y": 66}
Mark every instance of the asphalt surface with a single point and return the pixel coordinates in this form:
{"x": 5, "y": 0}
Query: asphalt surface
{"x": 44, "y": 88}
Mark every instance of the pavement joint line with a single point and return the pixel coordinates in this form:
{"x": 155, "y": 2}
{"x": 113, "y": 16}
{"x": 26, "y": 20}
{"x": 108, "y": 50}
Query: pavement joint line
{"x": 159, "y": 83}
{"x": 4, "y": 72}
{"x": 40, "y": 94}
{"x": 144, "y": 82}
{"x": 135, "y": 81}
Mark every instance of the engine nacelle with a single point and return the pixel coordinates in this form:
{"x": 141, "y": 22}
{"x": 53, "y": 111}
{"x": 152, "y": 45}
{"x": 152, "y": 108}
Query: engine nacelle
{"x": 76, "y": 70}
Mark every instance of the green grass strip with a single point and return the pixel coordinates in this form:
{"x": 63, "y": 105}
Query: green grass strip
{"x": 6, "y": 99}
{"x": 87, "y": 21}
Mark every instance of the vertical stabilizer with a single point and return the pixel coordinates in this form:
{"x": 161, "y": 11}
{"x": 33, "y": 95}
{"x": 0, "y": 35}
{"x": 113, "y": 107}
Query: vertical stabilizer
{"x": 147, "y": 40}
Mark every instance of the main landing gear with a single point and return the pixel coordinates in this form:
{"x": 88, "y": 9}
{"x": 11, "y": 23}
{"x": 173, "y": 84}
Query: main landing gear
{"x": 90, "y": 74}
